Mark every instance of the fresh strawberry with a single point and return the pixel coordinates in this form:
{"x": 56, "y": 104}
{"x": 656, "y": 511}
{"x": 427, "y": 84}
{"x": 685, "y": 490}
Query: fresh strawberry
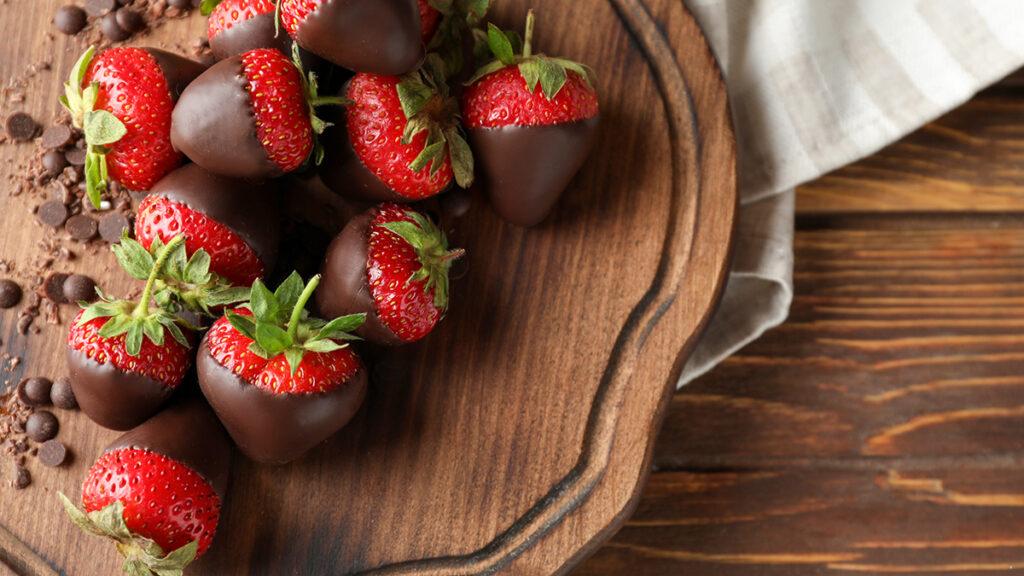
{"x": 402, "y": 140}
{"x": 401, "y": 259}
{"x": 533, "y": 120}
{"x": 122, "y": 101}
{"x": 268, "y": 129}
{"x": 157, "y": 490}
{"x": 280, "y": 380}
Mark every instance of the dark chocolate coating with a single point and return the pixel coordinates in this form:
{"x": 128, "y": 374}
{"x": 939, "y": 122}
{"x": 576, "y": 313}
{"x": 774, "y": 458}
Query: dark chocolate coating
{"x": 188, "y": 432}
{"x": 112, "y": 398}
{"x": 214, "y": 125}
{"x": 256, "y": 32}
{"x": 344, "y": 286}
{"x": 344, "y": 173}
{"x": 528, "y": 167}
{"x": 378, "y": 36}
{"x": 179, "y": 72}
{"x": 276, "y": 429}
{"x": 250, "y": 210}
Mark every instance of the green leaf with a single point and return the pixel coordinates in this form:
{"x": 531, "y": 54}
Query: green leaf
{"x": 531, "y": 71}
{"x": 133, "y": 258}
{"x": 584, "y": 71}
{"x": 197, "y": 270}
{"x": 264, "y": 305}
{"x": 410, "y": 232}
{"x": 207, "y": 6}
{"x": 95, "y": 183}
{"x": 116, "y": 326}
{"x": 323, "y": 346}
{"x": 414, "y": 126}
{"x": 175, "y": 331}
{"x": 133, "y": 340}
{"x": 103, "y": 128}
{"x": 153, "y": 330}
{"x": 73, "y": 96}
{"x": 288, "y": 293}
{"x": 110, "y": 520}
{"x": 226, "y": 295}
{"x": 272, "y": 338}
{"x": 487, "y": 70}
{"x": 500, "y": 45}
{"x": 294, "y": 357}
{"x": 552, "y": 78}
{"x": 462, "y": 158}
{"x": 243, "y": 324}
{"x": 78, "y": 517}
{"x": 413, "y": 96}
{"x": 100, "y": 310}
{"x": 429, "y": 156}
{"x": 342, "y": 327}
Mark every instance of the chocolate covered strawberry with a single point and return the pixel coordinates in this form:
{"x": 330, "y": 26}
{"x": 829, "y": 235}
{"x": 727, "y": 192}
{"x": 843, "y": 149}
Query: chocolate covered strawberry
{"x": 126, "y": 358}
{"x": 378, "y": 36}
{"x": 157, "y": 490}
{"x": 280, "y": 380}
{"x": 400, "y": 140}
{"x": 391, "y": 264}
{"x": 532, "y": 120}
{"x": 236, "y": 223}
{"x": 237, "y": 26}
{"x": 251, "y": 116}
{"x": 122, "y": 101}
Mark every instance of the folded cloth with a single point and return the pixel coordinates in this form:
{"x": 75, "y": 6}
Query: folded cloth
{"x": 816, "y": 84}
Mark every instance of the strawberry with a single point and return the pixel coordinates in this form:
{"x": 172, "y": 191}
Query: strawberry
{"x": 122, "y": 101}
{"x": 532, "y": 120}
{"x": 237, "y": 26}
{"x": 401, "y": 140}
{"x": 157, "y": 490}
{"x": 126, "y": 358}
{"x": 280, "y": 380}
{"x": 251, "y": 116}
{"x": 378, "y": 36}
{"x": 391, "y": 264}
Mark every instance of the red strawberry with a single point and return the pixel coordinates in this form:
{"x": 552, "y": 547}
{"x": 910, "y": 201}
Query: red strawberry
{"x": 402, "y": 141}
{"x": 401, "y": 260}
{"x": 157, "y": 490}
{"x": 122, "y": 101}
{"x": 280, "y": 380}
{"x": 237, "y": 26}
{"x": 533, "y": 120}
{"x": 250, "y": 116}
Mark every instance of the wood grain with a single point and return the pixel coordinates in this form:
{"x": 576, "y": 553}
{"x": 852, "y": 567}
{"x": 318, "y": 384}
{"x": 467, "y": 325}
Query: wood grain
{"x": 517, "y": 437}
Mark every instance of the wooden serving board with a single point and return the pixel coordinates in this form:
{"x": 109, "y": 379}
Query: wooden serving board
{"x": 518, "y": 437}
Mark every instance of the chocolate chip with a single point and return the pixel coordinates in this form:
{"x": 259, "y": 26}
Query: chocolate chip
{"x": 76, "y": 156}
{"x": 97, "y": 8}
{"x": 10, "y": 294}
{"x": 81, "y": 227}
{"x": 130, "y": 20}
{"x": 79, "y": 288}
{"x": 70, "y": 19}
{"x": 53, "y": 453}
{"x": 62, "y": 395}
{"x": 53, "y": 213}
{"x": 112, "y": 225}
{"x": 112, "y": 30}
{"x": 21, "y": 127}
{"x": 54, "y": 163}
{"x": 36, "y": 391}
{"x": 56, "y": 136}
{"x": 53, "y": 287}
{"x": 22, "y": 478}
{"x": 42, "y": 426}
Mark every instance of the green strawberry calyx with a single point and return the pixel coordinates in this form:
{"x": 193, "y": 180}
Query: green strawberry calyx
{"x": 101, "y": 128}
{"x": 511, "y": 50}
{"x": 314, "y": 100}
{"x": 280, "y": 323}
{"x": 429, "y": 107}
{"x": 431, "y": 246}
{"x": 207, "y": 6}
{"x": 142, "y": 556}
{"x": 138, "y": 320}
{"x": 459, "y": 19}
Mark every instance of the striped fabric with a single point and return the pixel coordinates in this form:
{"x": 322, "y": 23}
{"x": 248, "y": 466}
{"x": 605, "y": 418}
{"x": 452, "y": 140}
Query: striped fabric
{"x": 816, "y": 84}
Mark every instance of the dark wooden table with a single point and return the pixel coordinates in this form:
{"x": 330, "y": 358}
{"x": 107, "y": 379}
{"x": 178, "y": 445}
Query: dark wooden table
{"x": 881, "y": 429}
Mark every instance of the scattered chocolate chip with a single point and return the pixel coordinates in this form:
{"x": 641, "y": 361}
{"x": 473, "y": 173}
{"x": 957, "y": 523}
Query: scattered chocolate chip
{"x": 112, "y": 226}
{"x": 79, "y": 288}
{"x": 130, "y": 20}
{"x": 37, "y": 391}
{"x": 62, "y": 395}
{"x": 53, "y": 287}
{"x": 70, "y": 19}
{"x": 54, "y": 163}
{"x": 112, "y": 30}
{"x": 81, "y": 227}
{"x": 56, "y": 136}
{"x": 42, "y": 426}
{"x": 53, "y": 453}
{"x": 53, "y": 213}
{"x": 22, "y": 478}
{"x": 97, "y": 8}
{"x": 10, "y": 294}
{"x": 76, "y": 156}
{"x": 21, "y": 127}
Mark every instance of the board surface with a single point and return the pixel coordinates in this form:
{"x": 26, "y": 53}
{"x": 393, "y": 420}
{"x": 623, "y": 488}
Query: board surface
{"x": 519, "y": 435}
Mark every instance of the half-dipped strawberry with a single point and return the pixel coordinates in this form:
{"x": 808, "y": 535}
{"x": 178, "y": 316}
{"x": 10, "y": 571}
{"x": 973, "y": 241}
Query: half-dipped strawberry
{"x": 379, "y": 36}
{"x": 122, "y": 101}
{"x": 237, "y": 26}
{"x": 251, "y": 116}
{"x": 157, "y": 490}
{"x": 126, "y": 358}
{"x": 236, "y": 223}
{"x": 391, "y": 264}
{"x": 281, "y": 381}
{"x": 400, "y": 140}
{"x": 532, "y": 120}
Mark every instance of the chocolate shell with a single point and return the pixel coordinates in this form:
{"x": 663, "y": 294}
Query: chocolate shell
{"x": 179, "y": 72}
{"x": 112, "y": 398}
{"x": 527, "y": 168}
{"x": 188, "y": 432}
{"x": 250, "y": 210}
{"x": 344, "y": 173}
{"x": 256, "y": 32}
{"x": 215, "y": 126}
{"x": 276, "y": 428}
{"x": 378, "y": 36}
{"x": 344, "y": 285}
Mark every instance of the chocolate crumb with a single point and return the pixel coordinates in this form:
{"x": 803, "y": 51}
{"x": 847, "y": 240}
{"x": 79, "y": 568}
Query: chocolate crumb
{"x": 53, "y": 287}
{"x": 62, "y": 395}
{"x": 79, "y": 288}
{"x": 22, "y": 478}
{"x": 10, "y": 294}
{"x": 42, "y": 426}
{"x": 53, "y": 453}
{"x": 56, "y": 136}
{"x": 21, "y": 127}
{"x": 81, "y": 227}
{"x": 53, "y": 213}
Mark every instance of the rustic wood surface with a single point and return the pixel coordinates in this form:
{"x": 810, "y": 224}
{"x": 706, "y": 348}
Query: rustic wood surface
{"x": 881, "y": 429}
{"x": 520, "y": 435}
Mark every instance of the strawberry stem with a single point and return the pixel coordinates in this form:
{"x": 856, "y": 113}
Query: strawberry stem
{"x": 142, "y": 309}
{"x": 528, "y": 37}
{"x": 300, "y": 306}
{"x": 452, "y": 255}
